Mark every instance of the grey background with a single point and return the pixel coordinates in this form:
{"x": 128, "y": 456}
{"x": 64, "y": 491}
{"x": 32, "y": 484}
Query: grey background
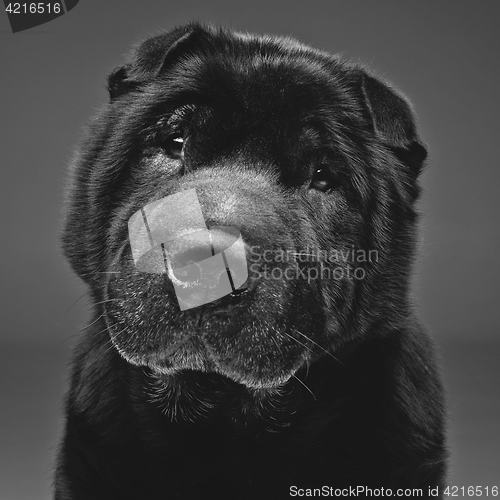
{"x": 443, "y": 55}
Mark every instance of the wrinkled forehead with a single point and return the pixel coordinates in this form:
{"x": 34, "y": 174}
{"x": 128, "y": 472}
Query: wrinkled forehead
{"x": 257, "y": 76}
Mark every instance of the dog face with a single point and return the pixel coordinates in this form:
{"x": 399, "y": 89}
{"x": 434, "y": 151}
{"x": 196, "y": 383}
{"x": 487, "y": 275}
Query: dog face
{"x": 310, "y": 158}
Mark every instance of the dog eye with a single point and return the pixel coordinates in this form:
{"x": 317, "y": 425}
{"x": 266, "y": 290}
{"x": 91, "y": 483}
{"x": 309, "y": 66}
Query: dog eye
{"x": 323, "y": 181}
{"x": 173, "y": 145}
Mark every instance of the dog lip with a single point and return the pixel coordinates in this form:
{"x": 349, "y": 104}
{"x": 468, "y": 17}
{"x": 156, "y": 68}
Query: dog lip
{"x": 229, "y": 303}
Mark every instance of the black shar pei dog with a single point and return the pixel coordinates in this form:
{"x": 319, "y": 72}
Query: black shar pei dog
{"x": 311, "y": 374}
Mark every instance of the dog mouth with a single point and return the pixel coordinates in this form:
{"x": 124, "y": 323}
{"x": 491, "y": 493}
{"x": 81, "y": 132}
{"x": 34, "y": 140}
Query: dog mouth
{"x": 242, "y": 335}
{"x": 213, "y": 338}
{"x": 195, "y": 354}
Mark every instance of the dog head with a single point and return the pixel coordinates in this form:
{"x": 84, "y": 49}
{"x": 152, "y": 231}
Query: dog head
{"x": 310, "y": 158}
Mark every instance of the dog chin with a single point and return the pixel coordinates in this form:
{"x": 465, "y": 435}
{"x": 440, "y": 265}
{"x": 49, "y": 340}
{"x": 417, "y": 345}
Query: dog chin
{"x": 181, "y": 358}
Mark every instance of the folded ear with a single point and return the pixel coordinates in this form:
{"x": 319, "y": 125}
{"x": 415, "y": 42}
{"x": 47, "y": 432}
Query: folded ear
{"x": 394, "y": 122}
{"x": 152, "y": 57}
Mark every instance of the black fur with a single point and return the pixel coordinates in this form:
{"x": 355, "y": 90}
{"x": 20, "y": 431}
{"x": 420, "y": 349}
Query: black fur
{"x": 305, "y": 382}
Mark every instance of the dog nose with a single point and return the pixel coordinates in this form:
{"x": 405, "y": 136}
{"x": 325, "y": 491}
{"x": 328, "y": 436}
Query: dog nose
{"x": 187, "y": 252}
{"x": 171, "y": 235}
{"x": 206, "y": 265}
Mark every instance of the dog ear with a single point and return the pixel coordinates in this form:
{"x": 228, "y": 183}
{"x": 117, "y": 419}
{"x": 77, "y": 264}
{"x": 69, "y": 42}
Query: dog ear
{"x": 394, "y": 122}
{"x": 152, "y": 57}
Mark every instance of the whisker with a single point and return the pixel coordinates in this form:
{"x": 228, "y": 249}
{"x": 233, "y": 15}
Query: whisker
{"x": 102, "y": 331}
{"x": 106, "y": 301}
{"x": 312, "y": 393}
{"x": 299, "y": 342}
{"x": 321, "y": 347}
{"x": 92, "y": 273}
{"x": 93, "y": 323}
{"x": 77, "y": 300}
